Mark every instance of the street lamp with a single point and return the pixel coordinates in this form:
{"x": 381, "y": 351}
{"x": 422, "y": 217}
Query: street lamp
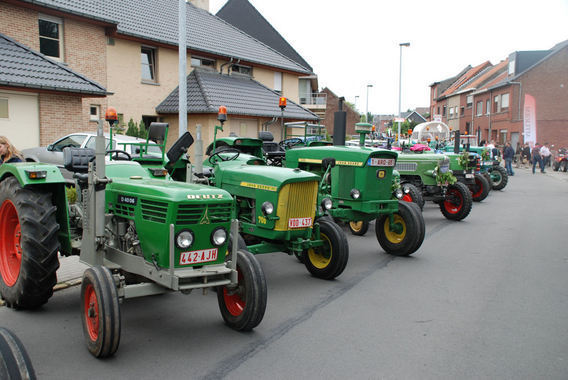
{"x": 407, "y": 44}
{"x": 356, "y": 98}
{"x": 367, "y": 110}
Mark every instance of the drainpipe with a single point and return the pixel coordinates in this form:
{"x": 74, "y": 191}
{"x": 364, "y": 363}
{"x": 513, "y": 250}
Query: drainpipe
{"x": 224, "y": 64}
{"x": 490, "y": 113}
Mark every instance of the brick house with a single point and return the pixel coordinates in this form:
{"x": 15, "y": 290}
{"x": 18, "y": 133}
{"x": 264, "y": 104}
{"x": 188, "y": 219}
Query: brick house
{"x": 492, "y": 101}
{"x": 332, "y": 106}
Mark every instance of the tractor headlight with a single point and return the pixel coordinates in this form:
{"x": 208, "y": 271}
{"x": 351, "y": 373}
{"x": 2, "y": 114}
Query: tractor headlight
{"x": 406, "y": 190}
{"x": 398, "y": 193}
{"x": 355, "y": 194}
{"x": 267, "y": 208}
{"x": 326, "y": 203}
{"x": 219, "y": 236}
{"x": 184, "y": 239}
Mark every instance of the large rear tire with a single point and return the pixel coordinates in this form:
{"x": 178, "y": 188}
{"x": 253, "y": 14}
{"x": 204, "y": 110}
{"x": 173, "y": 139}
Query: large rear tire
{"x": 28, "y": 245}
{"x": 480, "y": 190}
{"x": 15, "y": 364}
{"x": 359, "y": 228}
{"x": 100, "y": 312}
{"x": 328, "y": 261}
{"x": 405, "y": 235}
{"x": 243, "y": 307}
{"x": 458, "y": 202}
{"x": 499, "y": 177}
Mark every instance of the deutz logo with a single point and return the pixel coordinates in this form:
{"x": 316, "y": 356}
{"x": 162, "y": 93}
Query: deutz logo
{"x": 205, "y": 218}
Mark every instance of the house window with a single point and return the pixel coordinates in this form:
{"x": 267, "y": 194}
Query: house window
{"x": 451, "y": 112}
{"x": 148, "y": 61}
{"x": 479, "y": 108}
{"x": 202, "y": 62}
{"x": 469, "y": 101}
{"x": 504, "y": 102}
{"x": 444, "y": 111}
{"x": 247, "y": 70}
{"x": 496, "y": 107}
{"x": 438, "y": 110}
{"x": 278, "y": 82}
{"x": 94, "y": 112}
{"x": 487, "y": 108}
{"x": 4, "y": 114}
{"x": 51, "y": 36}
{"x": 462, "y": 111}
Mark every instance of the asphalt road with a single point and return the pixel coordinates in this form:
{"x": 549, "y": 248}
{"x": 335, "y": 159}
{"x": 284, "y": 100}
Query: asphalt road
{"x": 485, "y": 298}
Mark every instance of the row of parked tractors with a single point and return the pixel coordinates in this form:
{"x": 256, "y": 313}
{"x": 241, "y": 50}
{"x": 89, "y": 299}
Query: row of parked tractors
{"x": 148, "y": 224}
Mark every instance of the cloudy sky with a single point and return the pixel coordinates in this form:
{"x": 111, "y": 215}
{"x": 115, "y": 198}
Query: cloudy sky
{"x": 353, "y": 43}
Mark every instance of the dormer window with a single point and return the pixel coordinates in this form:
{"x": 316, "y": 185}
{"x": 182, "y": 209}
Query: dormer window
{"x": 202, "y": 62}
{"x": 246, "y": 70}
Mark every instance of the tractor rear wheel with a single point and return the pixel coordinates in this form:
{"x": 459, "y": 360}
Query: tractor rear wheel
{"x": 28, "y": 245}
{"x": 458, "y": 202}
{"x": 14, "y": 360}
{"x": 100, "y": 312}
{"x": 328, "y": 261}
{"x": 480, "y": 190}
{"x": 412, "y": 194}
{"x": 405, "y": 235}
{"x": 243, "y": 307}
{"x": 359, "y": 228}
{"x": 500, "y": 177}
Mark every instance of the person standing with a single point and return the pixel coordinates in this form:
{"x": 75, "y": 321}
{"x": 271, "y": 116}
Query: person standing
{"x": 527, "y": 153}
{"x": 8, "y": 152}
{"x": 545, "y": 154}
{"x": 508, "y": 155}
{"x": 536, "y": 158}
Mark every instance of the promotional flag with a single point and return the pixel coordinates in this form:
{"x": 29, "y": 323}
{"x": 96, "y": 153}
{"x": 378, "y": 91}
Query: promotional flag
{"x": 530, "y": 120}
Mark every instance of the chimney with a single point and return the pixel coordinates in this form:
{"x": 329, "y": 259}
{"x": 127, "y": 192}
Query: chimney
{"x": 203, "y": 4}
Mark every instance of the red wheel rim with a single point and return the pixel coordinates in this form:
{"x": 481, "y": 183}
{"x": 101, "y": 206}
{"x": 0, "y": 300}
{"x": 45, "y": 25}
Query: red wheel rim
{"x": 91, "y": 308}
{"x": 234, "y": 302}
{"x": 10, "y": 245}
{"x": 407, "y": 198}
{"x": 450, "y": 206}
{"x": 479, "y": 186}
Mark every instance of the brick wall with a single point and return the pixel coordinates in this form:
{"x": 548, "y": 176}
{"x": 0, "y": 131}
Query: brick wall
{"x": 59, "y": 115}
{"x": 19, "y": 24}
{"x": 332, "y": 106}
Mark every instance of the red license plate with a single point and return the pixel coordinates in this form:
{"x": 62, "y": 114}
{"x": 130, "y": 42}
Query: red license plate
{"x": 380, "y": 162}
{"x": 195, "y": 257}
{"x": 299, "y": 222}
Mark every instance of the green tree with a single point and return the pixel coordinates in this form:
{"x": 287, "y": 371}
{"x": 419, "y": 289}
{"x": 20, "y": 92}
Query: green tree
{"x": 132, "y": 129}
{"x": 142, "y": 131}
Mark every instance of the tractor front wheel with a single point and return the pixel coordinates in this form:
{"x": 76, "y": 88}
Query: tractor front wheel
{"x": 359, "y": 228}
{"x": 14, "y": 360}
{"x": 404, "y": 234}
{"x": 499, "y": 177}
{"x": 479, "y": 190}
{"x": 412, "y": 194}
{"x": 458, "y": 202}
{"x": 243, "y": 307}
{"x": 100, "y": 312}
{"x": 329, "y": 260}
{"x": 28, "y": 245}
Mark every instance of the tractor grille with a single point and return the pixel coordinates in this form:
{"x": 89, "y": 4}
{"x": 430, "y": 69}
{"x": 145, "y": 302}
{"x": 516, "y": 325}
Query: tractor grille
{"x": 203, "y": 213}
{"x": 296, "y": 200}
{"x": 406, "y": 166}
{"x": 122, "y": 210}
{"x": 154, "y": 211}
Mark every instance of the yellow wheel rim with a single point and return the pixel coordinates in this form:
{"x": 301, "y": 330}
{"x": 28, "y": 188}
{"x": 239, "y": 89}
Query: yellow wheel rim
{"x": 392, "y": 236}
{"x": 321, "y": 256}
{"x": 356, "y": 226}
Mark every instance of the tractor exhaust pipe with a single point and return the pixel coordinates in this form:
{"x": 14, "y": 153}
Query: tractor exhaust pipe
{"x": 457, "y": 142}
{"x": 339, "y": 124}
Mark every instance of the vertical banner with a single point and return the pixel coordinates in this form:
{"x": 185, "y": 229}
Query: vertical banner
{"x": 530, "y": 120}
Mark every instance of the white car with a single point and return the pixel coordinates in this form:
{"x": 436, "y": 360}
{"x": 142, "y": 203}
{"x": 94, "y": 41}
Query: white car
{"x": 53, "y": 153}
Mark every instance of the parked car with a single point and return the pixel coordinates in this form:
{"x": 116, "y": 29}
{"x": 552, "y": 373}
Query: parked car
{"x": 53, "y": 153}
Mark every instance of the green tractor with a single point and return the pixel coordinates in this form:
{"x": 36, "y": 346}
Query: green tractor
{"x": 359, "y": 183}
{"x": 139, "y": 235}
{"x": 429, "y": 175}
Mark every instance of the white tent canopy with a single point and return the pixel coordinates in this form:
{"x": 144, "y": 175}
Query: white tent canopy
{"x": 430, "y": 130}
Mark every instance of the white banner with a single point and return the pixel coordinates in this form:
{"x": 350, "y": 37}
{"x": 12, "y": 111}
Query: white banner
{"x": 530, "y": 120}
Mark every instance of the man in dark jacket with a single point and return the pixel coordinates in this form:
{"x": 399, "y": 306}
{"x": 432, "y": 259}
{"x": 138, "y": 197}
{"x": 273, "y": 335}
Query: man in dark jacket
{"x": 508, "y": 154}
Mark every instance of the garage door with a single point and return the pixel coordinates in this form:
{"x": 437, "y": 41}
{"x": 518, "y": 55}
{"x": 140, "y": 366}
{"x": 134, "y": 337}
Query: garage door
{"x": 19, "y": 119}
{"x": 244, "y": 127}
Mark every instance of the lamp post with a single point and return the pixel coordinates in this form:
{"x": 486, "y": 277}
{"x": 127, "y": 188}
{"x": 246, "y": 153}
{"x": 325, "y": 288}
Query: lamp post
{"x": 367, "y": 109}
{"x": 407, "y": 44}
{"x": 356, "y": 98}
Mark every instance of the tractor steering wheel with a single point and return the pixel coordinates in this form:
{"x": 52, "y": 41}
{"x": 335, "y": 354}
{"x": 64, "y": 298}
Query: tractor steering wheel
{"x": 218, "y": 153}
{"x": 289, "y": 143}
{"x": 117, "y": 155}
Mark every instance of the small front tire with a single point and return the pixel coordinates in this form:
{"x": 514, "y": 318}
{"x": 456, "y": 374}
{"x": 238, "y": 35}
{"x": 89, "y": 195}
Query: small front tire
{"x": 499, "y": 177}
{"x": 100, "y": 312}
{"x": 458, "y": 202}
{"x": 243, "y": 307}
{"x": 328, "y": 261}
{"x": 412, "y": 194}
{"x": 480, "y": 190}
{"x": 359, "y": 228}
{"x": 405, "y": 235}
{"x": 14, "y": 360}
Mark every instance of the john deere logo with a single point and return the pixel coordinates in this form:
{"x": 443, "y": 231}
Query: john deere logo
{"x": 380, "y": 174}
{"x": 205, "y": 218}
